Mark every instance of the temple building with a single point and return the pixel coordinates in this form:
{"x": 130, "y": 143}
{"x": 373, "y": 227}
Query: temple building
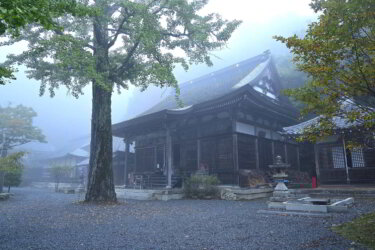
{"x": 229, "y": 122}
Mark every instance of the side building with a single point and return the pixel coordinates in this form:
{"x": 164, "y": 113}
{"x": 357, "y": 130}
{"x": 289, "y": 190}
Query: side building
{"x": 335, "y": 163}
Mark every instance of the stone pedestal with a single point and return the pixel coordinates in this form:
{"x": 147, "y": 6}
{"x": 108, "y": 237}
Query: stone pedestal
{"x": 280, "y": 193}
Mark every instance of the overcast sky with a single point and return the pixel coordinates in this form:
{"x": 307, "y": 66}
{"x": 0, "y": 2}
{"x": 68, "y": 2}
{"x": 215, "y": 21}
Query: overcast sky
{"x": 64, "y": 118}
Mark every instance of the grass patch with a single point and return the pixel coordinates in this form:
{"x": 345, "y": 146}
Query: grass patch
{"x": 361, "y": 230}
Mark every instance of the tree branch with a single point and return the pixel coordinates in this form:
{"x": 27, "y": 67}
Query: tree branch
{"x": 118, "y": 32}
{"x": 120, "y": 71}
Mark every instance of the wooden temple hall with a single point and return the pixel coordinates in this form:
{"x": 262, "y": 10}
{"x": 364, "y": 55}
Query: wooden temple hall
{"x": 229, "y": 123}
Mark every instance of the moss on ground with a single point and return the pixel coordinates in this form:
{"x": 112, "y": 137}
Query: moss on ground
{"x": 361, "y": 230}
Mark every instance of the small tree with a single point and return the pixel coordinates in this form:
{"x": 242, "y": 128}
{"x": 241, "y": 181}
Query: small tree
{"x": 58, "y": 172}
{"x": 11, "y": 168}
{"x": 16, "y": 127}
{"x": 13, "y": 179}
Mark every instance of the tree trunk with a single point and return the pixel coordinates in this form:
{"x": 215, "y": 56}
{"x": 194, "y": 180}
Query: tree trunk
{"x": 2, "y": 174}
{"x": 100, "y": 186}
{"x": 1, "y": 181}
{"x": 100, "y": 179}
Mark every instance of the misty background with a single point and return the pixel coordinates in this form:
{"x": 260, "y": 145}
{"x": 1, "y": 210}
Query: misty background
{"x": 66, "y": 120}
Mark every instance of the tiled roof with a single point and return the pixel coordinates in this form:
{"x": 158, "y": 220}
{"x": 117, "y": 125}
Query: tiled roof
{"x": 339, "y": 122}
{"x": 217, "y": 84}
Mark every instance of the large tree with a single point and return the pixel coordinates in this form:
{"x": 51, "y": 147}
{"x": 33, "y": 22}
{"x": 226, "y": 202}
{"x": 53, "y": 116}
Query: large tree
{"x": 134, "y": 42}
{"x": 16, "y": 14}
{"x": 338, "y": 54}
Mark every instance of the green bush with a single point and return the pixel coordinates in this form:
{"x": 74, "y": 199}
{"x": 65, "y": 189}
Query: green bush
{"x": 201, "y": 187}
{"x": 13, "y": 179}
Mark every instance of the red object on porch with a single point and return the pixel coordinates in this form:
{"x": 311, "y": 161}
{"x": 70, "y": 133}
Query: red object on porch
{"x": 313, "y": 184}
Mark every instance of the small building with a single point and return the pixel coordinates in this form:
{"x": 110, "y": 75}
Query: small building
{"x": 229, "y": 122}
{"x": 334, "y": 162}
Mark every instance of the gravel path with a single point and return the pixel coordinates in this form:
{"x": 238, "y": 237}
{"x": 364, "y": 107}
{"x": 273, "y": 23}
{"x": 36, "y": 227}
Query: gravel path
{"x": 42, "y": 219}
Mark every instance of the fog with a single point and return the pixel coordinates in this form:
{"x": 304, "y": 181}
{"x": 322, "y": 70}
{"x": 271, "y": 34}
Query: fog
{"x": 64, "y": 118}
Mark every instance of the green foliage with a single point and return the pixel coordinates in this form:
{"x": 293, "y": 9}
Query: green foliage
{"x": 12, "y": 166}
{"x": 13, "y": 179}
{"x": 12, "y": 163}
{"x": 201, "y": 186}
{"x": 6, "y": 74}
{"x": 361, "y": 230}
{"x": 16, "y": 14}
{"x": 338, "y": 54}
{"x": 134, "y": 42}
{"x": 16, "y": 126}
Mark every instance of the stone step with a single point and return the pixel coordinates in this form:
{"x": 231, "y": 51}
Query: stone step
{"x": 328, "y": 193}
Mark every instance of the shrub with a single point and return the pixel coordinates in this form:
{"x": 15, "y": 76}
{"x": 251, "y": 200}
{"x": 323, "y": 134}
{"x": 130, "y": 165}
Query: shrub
{"x": 201, "y": 187}
{"x": 13, "y": 178}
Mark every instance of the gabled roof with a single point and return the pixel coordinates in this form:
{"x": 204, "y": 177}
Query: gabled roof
{"x": 340, "y": 123}
{"x": 223, "y": 82}
{"x": 254, "y": 81}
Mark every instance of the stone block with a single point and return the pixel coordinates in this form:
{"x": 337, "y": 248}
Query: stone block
{"x": 337, "y": 209}
{"x": 276, "y": 205}
{"x": 4, "y": 196}
{"x": 281, "y": 193}
{"x": 247, "y": 197}
{"x": 278, "y": 199}
{"x": 306, "y": 207}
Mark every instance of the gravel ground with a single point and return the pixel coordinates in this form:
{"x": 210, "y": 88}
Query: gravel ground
{"x": 42, "y": 219}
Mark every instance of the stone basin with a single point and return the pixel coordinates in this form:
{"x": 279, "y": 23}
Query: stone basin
{"x": 317, "y": 201}
{"x": 323, "y": 205}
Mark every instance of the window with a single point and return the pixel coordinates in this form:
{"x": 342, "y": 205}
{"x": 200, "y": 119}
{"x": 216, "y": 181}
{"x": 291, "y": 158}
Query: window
{"x": 357, "y": 158}
{"x": 338, "y": 157}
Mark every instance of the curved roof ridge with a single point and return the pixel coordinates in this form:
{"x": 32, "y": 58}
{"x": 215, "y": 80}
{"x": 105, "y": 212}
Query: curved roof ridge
{"x": 212, "y": 85}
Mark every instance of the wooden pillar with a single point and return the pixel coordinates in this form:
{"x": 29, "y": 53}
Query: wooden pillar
{"x": 286, "y": 153}
{"x": 135, "y": 158}
{"x": 235, "y": 158}
{"x": 298, "y": 159}
{"x": 169, "y": 157}
{"x": 346, "y": 162}
{"x": 317, "y": 169}
{"x": 235, "y": 146}
{"x": 126, "y": 165}
{"x": 257, "y": 152}
{"x": 198, "y": 153}
{"x": 155, "y": 157}
{"x": 273, "y": 151}
{"x": 199, "y": 146}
